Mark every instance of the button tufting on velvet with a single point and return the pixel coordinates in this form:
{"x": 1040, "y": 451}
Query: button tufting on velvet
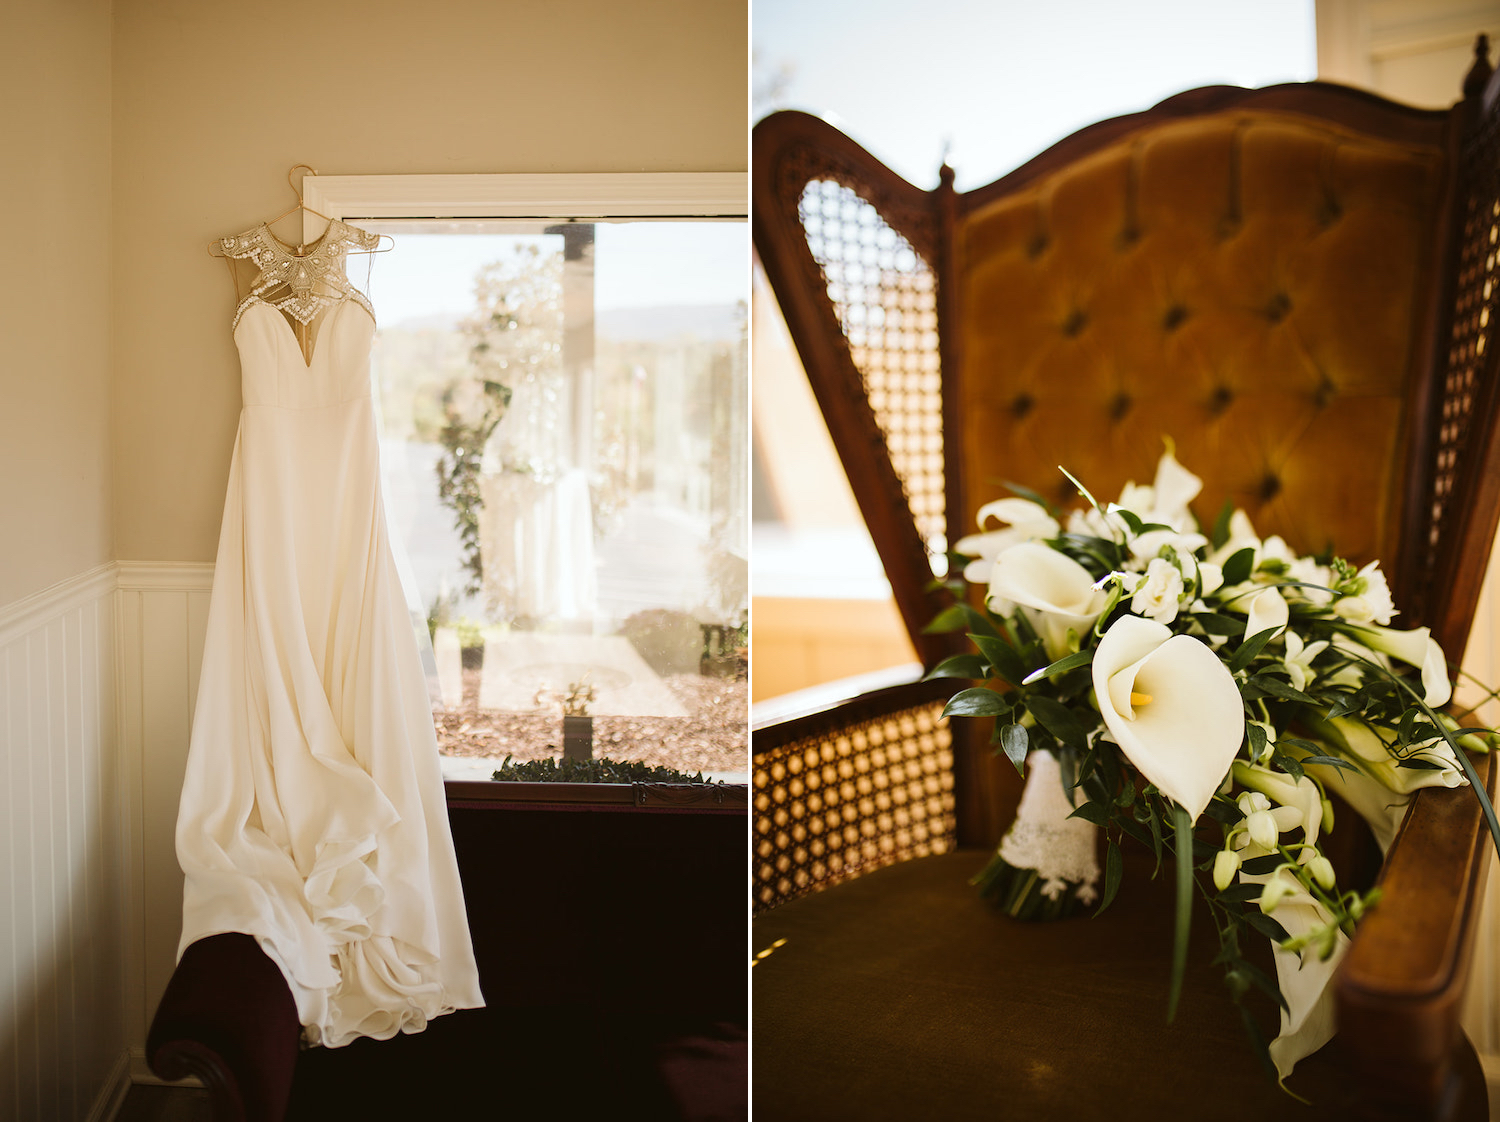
{"x": 1277, "y": 307}
{"x": 1174, "y": 317}
{"x": 1075, "y": 323}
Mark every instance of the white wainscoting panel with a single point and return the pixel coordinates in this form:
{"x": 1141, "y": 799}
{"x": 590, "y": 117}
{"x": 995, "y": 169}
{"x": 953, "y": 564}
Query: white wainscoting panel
{"x": 163, "y": 616}
{"x": 62, "y": 864}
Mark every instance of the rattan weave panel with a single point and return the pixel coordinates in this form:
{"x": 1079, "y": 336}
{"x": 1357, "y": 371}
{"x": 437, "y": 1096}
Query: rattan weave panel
{"x": 831, "y": 806}
{"x": 885, "y": 297}
{"x": 1475, "y": 299}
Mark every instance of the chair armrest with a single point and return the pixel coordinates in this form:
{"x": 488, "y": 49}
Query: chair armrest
{"x": 1400, "y": 987}
{"x": 851, "y": 787}
{"x": 228, "y": 1018}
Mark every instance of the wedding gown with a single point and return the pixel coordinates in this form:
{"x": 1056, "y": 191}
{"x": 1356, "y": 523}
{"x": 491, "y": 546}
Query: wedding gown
{"x": 312, "y": 813}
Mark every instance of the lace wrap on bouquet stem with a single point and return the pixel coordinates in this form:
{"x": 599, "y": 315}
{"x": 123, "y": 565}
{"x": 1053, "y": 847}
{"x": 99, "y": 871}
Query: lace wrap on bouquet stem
{"x": 1047, "y": 866}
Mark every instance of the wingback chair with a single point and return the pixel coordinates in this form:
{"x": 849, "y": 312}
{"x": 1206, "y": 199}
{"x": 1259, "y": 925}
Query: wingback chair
{"x": 1296, "y": 284}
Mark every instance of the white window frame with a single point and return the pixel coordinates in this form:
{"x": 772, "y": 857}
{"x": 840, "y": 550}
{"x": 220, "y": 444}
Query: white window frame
{"x": 602, "y": 195}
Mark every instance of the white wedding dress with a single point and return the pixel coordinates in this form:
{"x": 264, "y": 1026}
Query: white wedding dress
{"x": 312, "y": 813}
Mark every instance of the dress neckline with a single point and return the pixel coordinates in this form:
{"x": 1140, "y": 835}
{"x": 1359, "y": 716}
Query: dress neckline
{"x": 309, "y": 248}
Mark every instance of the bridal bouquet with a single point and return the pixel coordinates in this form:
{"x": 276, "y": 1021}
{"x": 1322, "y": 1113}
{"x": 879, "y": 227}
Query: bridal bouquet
{"x": 1152, "y": 676}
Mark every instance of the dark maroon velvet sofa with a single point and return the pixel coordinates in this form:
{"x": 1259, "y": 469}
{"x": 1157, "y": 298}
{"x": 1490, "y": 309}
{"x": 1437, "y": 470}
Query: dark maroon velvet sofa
{"x": 609, "y": 923}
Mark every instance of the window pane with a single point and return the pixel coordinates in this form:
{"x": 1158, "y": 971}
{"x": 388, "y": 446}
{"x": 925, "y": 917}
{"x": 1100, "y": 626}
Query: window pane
{"x": 563, "y": 410}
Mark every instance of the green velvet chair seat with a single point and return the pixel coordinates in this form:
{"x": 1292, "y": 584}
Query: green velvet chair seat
{"x": 903, "y": 995}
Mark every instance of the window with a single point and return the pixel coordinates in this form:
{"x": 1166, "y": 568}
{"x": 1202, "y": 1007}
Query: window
{"x": 561, "y": 388}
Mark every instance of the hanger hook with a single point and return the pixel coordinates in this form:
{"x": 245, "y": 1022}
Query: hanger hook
{"x": 293, "y": 171}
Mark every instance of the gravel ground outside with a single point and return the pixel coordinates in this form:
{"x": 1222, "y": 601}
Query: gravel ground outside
{"x": 712, "y": 737}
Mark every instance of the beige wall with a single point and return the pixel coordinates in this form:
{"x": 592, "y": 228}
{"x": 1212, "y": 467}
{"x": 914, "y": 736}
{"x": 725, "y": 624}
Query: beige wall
{"x": 215, "y": 99}
{"x": 54, "y": 292}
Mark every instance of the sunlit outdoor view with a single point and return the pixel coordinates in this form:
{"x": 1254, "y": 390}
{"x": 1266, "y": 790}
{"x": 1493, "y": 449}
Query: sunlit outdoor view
{"x": 563, "y": 411}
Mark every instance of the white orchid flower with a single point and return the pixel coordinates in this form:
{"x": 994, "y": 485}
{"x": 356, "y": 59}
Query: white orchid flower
{"x": 1415, "y": 648}
{"x": 1373, "y": 754}
{"x": 1026, "y": 521}
{"x": 1159, "y": 594}
{"x": 1056, "y": 593}
{"x": 1172, "y": 707}
{"x": 1299, "y": 659}
{"x": 1300, "y": 794}
{"x": 1263, "y": 824}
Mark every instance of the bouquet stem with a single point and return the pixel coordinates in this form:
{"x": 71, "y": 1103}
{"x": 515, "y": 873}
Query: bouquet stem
{"x": 1046, "y": 867}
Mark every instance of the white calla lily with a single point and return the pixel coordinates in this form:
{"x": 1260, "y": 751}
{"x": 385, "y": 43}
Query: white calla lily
{"x": 1266, "y": 609}
{"x": 1415, "y": 648}
{"x": 1174, "y": 488}
{"x": 1056, "y": 592}
{"x": 1359, "y": 742}
{"x": 1307, "y": 1022}
{"x": 1171, "y": 706}
{"x": 1026, "y": 521}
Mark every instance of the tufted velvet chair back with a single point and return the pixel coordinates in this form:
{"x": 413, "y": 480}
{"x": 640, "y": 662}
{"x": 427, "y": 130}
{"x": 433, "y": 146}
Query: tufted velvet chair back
{"x": 1292, "y": 284}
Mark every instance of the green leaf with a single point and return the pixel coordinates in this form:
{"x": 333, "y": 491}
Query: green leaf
{"x": 1155, "y": 823}
{"x": 1250, "y": 648}
{"x": 1288, "y": 764}
{"x": 1220, "y": 533}
{"x": 1014, "y": 741}
{"x": 1265, "y": 925}
{"x": 1223, "y": 811}
{"x": 1237, "y": 568}
{"x": 1277, "y": 688}
{"x": 976, "y": 702}
{"x": 1261, "y": 866}
{"x": 1002, "y": 656}
{"x": 1113, "y": 867}
{"x": 1134, "y": 829}
{"x": 1257, "y": 737}
{"x": 1061, "y": 666}
{"x": 1129, "y": 518}
{"x": 1091, "y": 812}
{"x": 1027, "y": 493}
{"x": 1330, "y": 761}
{"x": 1216, "y": 624}
{"x": 1059, "y": 720}
{"x": 950, "y": 618}
{"x": 1183, "y": 829}
{"x": 1264, "y": 982}
{"x": 1240, "y": 893}
{"x": 958, "y": 666}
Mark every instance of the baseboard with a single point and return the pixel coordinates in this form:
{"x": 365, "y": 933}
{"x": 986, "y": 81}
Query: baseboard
{"x": 140, "y": 1072}
{"x": 112, "y": 1095}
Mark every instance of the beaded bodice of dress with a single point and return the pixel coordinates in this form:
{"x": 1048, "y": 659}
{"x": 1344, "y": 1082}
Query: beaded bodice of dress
{"x": 300, "y": 285}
